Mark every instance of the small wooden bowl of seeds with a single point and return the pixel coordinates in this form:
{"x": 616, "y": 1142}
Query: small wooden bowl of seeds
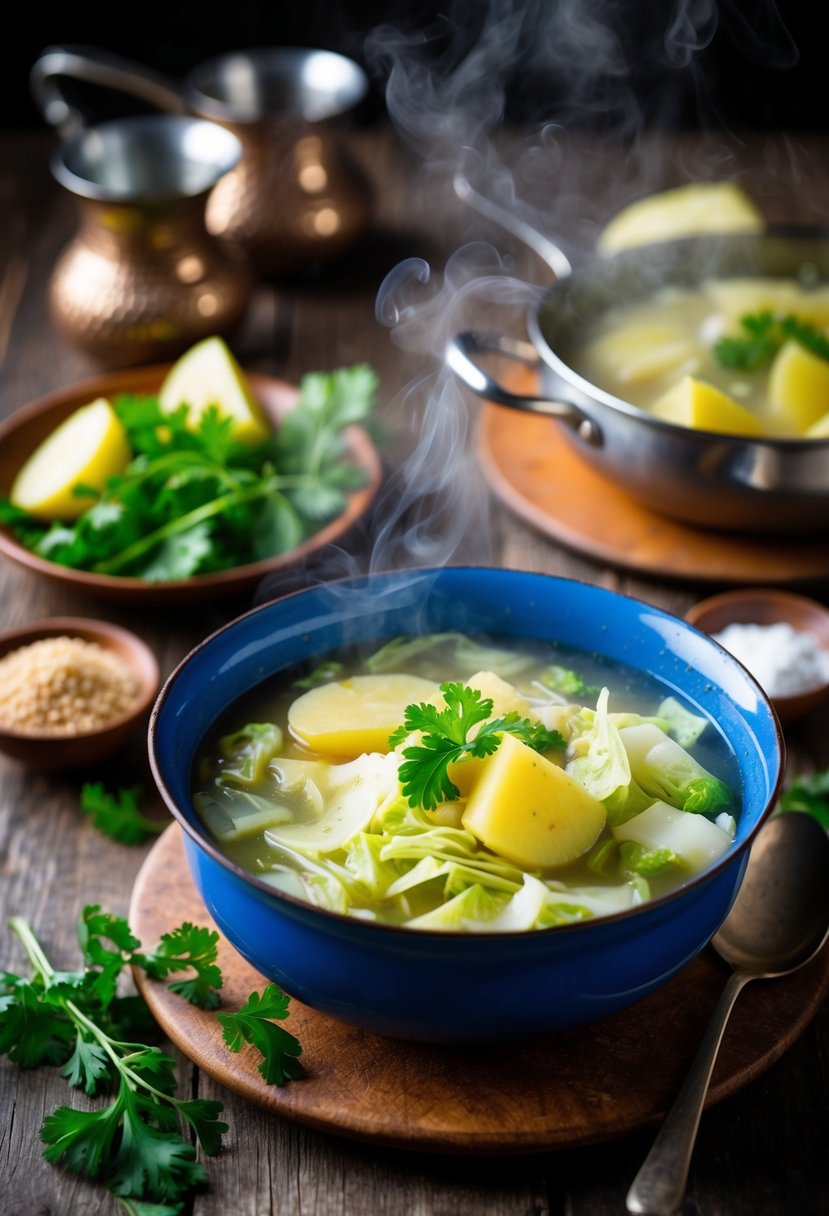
{"x": 72, "y": 691}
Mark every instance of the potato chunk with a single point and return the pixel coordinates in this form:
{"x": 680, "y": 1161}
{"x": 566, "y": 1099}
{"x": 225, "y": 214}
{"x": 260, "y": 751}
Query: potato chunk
{"x": 799, "y": 387}
{"x": 529, "y": 810}
{"x": 506, "y": 699}
{"x": 688, "y": 210}
{"x": 694, "y": 403}
{"x": 349, "y": 717}
{"x": 642, "y": 352}
{"x": 738, "y": 296}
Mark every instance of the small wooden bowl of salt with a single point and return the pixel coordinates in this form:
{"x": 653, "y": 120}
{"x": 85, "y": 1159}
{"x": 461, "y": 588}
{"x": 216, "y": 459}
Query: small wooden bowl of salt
{"x": 72, "y": 691}
{"x": 780, "y": 636}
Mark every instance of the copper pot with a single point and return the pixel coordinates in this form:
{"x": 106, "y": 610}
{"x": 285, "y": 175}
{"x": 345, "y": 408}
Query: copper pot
{"x": 295, "y": 197}
{"x": 143, "y": 279}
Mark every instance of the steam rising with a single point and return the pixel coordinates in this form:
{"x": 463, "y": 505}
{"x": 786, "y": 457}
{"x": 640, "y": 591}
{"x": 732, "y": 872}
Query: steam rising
{"x": 619, "y": 70}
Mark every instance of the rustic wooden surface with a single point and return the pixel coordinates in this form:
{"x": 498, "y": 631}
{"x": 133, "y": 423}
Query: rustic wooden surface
{"x": 760, "y": 1152}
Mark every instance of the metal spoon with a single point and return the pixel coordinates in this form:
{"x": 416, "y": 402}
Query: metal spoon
{"x": 779, "y": 921}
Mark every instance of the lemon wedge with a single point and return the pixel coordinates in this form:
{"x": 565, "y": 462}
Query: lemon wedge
{"x": 694, "y": 403}
{"x": 692, "y": 210}
{"x": 88, "y": 448}
{"x": 208, "y": 374}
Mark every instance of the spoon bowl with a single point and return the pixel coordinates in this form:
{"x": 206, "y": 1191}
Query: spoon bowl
{"x": 780, "y": 917}
{"x": 778, "y": 922}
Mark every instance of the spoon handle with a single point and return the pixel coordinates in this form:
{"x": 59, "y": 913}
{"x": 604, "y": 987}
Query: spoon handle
{"x": 659, "y": 1187}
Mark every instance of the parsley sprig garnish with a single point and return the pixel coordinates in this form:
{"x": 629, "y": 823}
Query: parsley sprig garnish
{"x": 763, "y": 335}
{"x": 194, "y": 500}
{"x": 424, "y": 774}
{"x": 76, "y": 1019}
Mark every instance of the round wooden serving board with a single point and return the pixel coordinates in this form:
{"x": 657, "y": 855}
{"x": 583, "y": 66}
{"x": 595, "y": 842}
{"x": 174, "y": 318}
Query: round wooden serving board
{"x": 531, "y": 467}
{"x": 576, "y": 1088}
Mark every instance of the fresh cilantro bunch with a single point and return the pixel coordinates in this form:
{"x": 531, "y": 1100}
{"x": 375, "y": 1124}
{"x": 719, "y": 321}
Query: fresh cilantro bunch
{"x": 424, "y": 774}
{"x": 77, "y": 1020}
{"x": 194, "y": 501}
{"x": 763, "y": 335}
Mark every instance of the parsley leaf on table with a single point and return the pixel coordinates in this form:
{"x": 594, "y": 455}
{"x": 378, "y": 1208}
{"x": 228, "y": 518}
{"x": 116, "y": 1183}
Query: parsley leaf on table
{"x": 424, "y": 774}
{"x": 193, "y": 500}
{"x": 135, "y": 1208}
{"x": 187, "y": 947}
{"x": 134, "y": 1144}
{"x": 252, "y": 1024}
{"x": 118, "y": 815}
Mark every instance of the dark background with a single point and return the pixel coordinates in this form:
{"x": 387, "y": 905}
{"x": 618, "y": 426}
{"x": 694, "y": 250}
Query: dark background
{"x": 682, "y": 64}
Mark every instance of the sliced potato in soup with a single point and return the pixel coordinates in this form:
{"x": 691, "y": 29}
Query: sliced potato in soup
{"x": 357, "y": 715}
{"x": 639, "y": 353}
{"x": 528, "y": 809}
{"x": 799, "y": 387}
{"x": 689, "y": 210}
{"x": 694, "y": 403}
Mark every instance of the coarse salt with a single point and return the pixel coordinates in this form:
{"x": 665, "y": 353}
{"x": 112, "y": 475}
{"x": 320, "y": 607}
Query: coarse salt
{"x": 785, "y": 661}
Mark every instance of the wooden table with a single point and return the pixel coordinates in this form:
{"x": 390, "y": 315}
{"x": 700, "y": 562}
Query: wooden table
{"x": 760, "y": 1152}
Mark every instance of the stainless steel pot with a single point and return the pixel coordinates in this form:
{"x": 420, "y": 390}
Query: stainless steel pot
{"x": 719, "y": 481}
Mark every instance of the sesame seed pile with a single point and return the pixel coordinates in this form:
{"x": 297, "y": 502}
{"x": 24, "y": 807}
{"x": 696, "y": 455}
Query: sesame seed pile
{"x": 63, "y": 686}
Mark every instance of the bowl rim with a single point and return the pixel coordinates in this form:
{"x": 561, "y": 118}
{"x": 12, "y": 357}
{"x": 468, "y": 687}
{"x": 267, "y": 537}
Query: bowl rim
{"x": 104, "y": 633}
{"x": 348, "y": 922}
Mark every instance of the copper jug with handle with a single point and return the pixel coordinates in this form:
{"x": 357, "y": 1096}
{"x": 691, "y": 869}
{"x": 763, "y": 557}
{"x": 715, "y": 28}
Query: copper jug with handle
{"x": 142, "y": 279}
{"x": 296, "y": 197}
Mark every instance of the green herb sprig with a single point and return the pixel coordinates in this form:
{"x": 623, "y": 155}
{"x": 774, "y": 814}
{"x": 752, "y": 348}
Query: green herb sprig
{"x": 253, "y": 1024}
{"x": 810, "y": 794}
{"x": 194, "y": 501}
{"x": 424, "y": 774}
{"x": 119, "y": 815}
{"x": 76, "y": 1019}
{"x": 763, "y": 335}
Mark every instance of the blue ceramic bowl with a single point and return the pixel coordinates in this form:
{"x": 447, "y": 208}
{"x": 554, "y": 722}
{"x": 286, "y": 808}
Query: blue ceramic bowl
{"x": 456, "y": 987}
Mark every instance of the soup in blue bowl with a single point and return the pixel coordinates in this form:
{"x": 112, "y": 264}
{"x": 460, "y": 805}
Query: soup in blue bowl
{"x": 465, "y": 804}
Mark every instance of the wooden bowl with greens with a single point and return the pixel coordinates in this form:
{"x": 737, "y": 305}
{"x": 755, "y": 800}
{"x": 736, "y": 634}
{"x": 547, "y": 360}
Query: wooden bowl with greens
{"x": 171, "y": 503}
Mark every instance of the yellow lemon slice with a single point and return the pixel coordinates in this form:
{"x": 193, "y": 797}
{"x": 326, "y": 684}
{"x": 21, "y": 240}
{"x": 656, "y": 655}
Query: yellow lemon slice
{"x": 88, "y": 448}
{"x": 208, "y": 374}
{"x": 692, "y": 210}
{"x": 694, "y": 403}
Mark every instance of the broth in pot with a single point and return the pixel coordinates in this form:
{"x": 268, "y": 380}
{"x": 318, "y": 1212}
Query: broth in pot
{"x": 744, "y": 356}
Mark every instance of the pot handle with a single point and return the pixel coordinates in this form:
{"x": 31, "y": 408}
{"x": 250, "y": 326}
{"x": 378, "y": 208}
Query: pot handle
{"x": 461, "y": 352}
{"x": 546, "y": 249}
{"x": 95, "y": 67}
